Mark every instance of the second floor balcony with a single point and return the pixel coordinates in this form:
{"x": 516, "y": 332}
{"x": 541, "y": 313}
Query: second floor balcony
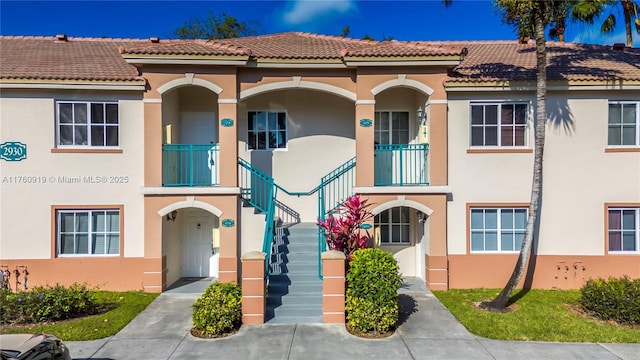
{"x": 190, "y": 165}
{"x": 401, "y": 164}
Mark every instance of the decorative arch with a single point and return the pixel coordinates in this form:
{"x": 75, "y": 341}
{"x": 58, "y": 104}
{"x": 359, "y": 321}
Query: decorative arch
{"x": 402, "y": 81}
{"x": 190, "y": 202}
{"x": 187, "y": 80}
{"x": 297, "y": 83}
{"x": 402, "y": 202}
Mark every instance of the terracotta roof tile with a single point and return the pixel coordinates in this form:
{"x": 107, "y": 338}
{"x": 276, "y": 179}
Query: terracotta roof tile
{"x": 86, "y": 59}
{"x": 501, "y": 60}
{"x": 79, "y": 59}
{"x": 185, "y": 47}
{"x": 298, "y": 45}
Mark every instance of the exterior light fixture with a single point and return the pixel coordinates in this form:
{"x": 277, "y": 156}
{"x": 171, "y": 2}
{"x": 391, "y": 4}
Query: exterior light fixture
{"x": 421, "y": 115}
{"x": 172, "y": 215}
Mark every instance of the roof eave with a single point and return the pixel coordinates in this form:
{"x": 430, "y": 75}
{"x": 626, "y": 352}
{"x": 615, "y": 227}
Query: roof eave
{"x": 439, "y": 60}
{"x": 140, "y": 59}
{"x": 552, "y": 85}
{"x": 73, "y": 84}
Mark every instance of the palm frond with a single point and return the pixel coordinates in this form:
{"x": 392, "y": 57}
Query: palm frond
{"x": 608, "y": 24}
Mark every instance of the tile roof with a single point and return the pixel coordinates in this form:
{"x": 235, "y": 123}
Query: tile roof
{"x": 292, "y": 45}
{"x": 185, "y": 47}
{"x": 503, "y": 60}
{"x": 78, "y": 59}
{"x": 86, "y": 59}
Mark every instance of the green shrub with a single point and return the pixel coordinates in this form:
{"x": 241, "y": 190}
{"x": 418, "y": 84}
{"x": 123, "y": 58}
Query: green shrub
{"x": 218, "y": 310}
{"x": 44, "y": 304}
{"x": 372, "y": 291}
{"x": 615, "y": 299}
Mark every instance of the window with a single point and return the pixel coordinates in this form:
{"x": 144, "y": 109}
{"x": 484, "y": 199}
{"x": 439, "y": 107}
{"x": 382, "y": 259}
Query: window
{"x": 624, "y": 123}
{"x": 497, "y": 229}
{"x": 392, "y": 127}
{"x": 499, "y": 124}
{"x": 394, "y": 226}
{"x": 624, "y": 229}
{"x": 88, "y": 232}
{"x": 87, "y": 124}
{"x": 267, "y": 130}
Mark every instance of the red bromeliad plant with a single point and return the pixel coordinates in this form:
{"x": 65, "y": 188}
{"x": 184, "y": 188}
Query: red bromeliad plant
{"x": 342, "y": 233}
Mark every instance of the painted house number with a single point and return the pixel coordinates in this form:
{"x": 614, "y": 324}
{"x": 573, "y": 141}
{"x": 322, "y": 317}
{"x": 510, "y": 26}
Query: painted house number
{"x": 13, "y": 151}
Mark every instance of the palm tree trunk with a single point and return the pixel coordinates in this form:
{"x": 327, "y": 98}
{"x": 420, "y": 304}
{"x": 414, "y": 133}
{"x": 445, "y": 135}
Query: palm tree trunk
{"x": 501, "y": 301}
{"x": 627, "y": 9}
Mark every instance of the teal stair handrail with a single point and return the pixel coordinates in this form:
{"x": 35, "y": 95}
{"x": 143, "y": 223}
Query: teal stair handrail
{"x": 260, "y": 191}
{"x": 334, "y": 187}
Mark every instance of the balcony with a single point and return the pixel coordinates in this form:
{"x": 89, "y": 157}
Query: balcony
{"x": 190, "y": 165}
{"x": 401, "y": 164}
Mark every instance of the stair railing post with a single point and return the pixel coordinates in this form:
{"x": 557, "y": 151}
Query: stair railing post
{"x": 253, "y": 287}
{"x": 333, "y": 286}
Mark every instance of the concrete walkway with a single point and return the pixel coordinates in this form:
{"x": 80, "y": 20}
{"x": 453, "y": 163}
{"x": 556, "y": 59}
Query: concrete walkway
{"x": 427, "y": 331}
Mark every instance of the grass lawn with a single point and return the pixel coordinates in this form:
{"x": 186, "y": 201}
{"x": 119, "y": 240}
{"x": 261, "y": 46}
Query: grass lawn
{"x": 540, "y": 315}
{"x": 126, "y": 306}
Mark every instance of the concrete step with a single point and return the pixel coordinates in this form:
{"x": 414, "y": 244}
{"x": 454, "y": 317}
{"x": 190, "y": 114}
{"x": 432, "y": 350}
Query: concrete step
{"x": 286, "y": 311}
{"x": 300, "y": 289}
{"x": 294, "y": 300}
{"x": 294, "y": 278}
{"x": 295, "y": 320}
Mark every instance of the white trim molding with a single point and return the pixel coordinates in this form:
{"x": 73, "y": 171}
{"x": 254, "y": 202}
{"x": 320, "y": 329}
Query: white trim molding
{"x": 402, "y": 190}
{"x": 365, "y": 102}
{"x": 297, "y": 83}
{"x": 190, "y": 202}
{"x": 401, "y": 201}
{"x": 152, "y": 101}
{"x": 402, "y": 81}
{"x": 227, "y": 101}
{"x": 188, "y": 79}
{"x": 71, "y": 86}
{"x": 200, "y": 190}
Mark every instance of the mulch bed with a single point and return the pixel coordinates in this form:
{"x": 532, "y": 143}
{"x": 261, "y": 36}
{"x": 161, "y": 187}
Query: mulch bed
{"x": 370, "y": 334}
{"x": 199, "y": 334}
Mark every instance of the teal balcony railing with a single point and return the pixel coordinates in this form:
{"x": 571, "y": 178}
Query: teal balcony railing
{"x": 401, "y": 164}
{"x": 190, "y": 165}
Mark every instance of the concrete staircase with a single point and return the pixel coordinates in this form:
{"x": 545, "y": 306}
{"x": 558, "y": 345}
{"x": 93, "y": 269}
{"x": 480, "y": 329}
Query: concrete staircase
{"x": 295, "y": 290}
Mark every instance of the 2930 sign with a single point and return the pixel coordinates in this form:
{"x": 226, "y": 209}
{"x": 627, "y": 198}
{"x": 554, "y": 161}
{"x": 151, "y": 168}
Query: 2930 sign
{"x": 13, "y": 151}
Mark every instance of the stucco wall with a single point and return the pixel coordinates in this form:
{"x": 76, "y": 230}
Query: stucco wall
{"x": 579, "y": 176}
{"x": 29, "y": 117}
{"x": 320, "y": 138}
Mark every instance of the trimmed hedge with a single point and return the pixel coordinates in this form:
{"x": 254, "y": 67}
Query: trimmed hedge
{"x": 218, "y": 310}
{"x": 373, "y": 281}
{"x": 44, "y": 304}
{"x": 615, "y": 299}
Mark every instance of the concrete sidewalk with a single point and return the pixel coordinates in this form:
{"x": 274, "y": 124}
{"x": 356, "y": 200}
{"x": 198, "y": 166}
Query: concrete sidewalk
{"x": 427, "y": 331}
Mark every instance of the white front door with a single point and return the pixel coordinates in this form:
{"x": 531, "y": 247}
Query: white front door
{"x": 197, "y": 230}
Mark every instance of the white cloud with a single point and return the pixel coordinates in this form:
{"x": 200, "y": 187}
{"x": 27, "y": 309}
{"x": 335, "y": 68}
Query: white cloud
{"x": 304, "y": 11}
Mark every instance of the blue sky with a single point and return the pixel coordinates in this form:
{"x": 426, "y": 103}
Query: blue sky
{"x": 402, "y": 20}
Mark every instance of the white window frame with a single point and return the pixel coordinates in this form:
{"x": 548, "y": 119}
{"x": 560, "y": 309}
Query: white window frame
{"x": 286, "y": 130}
{"x": 88, "y": 125}
{"x": 390, "y": 129}
{"x": 499, "y": 229}
{"x": 636, "y": 230}
{"x": 391, "y": 223}
{"x": 89, "y": 233}
{"x": 499, "y": 124}
{"x": 636, "y": 124}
